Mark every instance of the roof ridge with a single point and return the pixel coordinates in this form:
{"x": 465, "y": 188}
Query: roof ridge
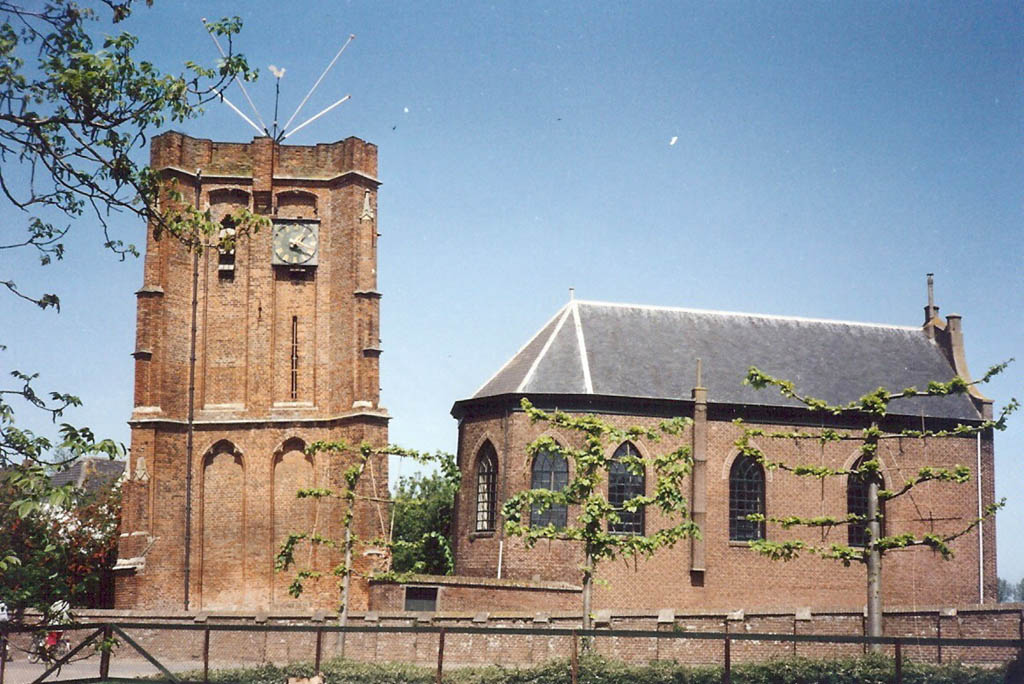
{"x": 544, "y": 350}
{"x": 715, "y": 312}
{"x": 588, "y": 383}
{"x": 519, "y": 351}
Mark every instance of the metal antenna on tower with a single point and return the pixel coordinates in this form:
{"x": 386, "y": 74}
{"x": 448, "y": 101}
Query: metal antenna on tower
{"x": 276, "y": 134}
{"x": 238, "y": 111}
{"x": 278, "y": 74}
{"x": 240, "y": 85}
{"x": 351, "y": 37}
{"x": 314, "y": 118}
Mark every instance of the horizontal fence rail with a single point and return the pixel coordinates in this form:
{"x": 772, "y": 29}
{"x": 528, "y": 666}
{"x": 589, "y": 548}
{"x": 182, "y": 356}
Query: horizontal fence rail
{"x": 553, "y": 631}
{"x": 118, "y": 630}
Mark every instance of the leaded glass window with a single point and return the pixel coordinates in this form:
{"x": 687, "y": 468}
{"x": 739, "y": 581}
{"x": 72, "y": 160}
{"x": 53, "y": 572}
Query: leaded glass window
{"x": 486, "y": 487}
{"x": 624, "y": 485}
{"x": 746, "y": 497}
{"x": 550, "y": 471}
{"x": 857, "y": 504}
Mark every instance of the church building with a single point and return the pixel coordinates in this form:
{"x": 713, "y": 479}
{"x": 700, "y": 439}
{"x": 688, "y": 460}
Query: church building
{"x": 245, "y": 355}
{"x": 636, "y": 365}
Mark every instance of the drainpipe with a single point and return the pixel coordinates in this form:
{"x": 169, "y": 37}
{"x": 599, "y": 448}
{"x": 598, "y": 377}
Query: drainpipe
{"x": 190, "y": 433}
{"x": 698, "y": 476}
{"x": 981, "y": 529}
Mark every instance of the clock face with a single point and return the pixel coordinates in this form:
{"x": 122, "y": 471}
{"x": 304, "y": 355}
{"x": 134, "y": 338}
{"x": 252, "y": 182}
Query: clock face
{"x": 295, "y": 244}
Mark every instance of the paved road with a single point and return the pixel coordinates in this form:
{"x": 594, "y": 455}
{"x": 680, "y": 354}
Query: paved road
{"x": 23, "y": 672}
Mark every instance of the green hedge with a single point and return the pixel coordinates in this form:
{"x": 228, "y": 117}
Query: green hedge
{"x": 598, "y": 670}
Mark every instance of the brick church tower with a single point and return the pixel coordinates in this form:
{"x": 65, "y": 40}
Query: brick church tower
{"x": 242, "y": 359}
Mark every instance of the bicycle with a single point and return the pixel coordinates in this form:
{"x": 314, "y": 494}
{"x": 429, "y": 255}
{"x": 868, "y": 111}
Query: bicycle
{"x": 49, "y": 647}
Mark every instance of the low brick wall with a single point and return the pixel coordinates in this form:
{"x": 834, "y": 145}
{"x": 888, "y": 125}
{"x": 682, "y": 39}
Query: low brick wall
{"x": 496, "y": 594}
{"x": 1002, "y": 621}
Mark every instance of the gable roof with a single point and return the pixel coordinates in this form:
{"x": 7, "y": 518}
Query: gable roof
{"x": 91, "y": 473}
{"x": 621, "y": 350}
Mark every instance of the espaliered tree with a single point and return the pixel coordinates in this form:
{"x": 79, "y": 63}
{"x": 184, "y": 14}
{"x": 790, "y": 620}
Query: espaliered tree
{"x": 870, "y": 409}
{"x": 361, "y": 457}
{"x": 587, "y": 496}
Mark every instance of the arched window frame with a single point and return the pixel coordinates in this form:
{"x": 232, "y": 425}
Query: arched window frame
{"x": 746, "y": 497}
{"x": 549, "y": 471}
{"x": 857, "y": 504}
{"x": 486, "y": 488}
{"x": 623, "y": 485}
{"x": 223, "y": 203}
{"x": 296, "y": 204}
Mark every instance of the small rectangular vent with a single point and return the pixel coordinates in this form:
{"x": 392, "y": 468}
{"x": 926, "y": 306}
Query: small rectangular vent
{"x": 421, "y": 599}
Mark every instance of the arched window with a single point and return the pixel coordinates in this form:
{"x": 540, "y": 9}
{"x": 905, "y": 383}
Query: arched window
{"x": 486, "y": 487}
{"x": 746, "y": 497}
{"x": 624, "y": 485}
{"x": 226, "y": 249}
{"x": 550, "y": 471}
{"x": 857, "y": 504}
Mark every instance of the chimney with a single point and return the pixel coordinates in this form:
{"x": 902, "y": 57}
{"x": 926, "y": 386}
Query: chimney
{"x": 930, "y": 311}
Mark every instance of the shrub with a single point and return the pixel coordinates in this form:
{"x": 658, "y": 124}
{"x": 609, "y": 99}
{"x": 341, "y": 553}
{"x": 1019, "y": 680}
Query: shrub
{"x": 600, "y": 670}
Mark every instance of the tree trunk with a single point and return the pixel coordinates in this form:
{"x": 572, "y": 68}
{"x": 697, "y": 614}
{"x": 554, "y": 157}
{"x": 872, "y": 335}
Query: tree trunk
{"x": 588, "y": 583}
{"x": 345, "y": 582}
{"x": 874, "y": 563}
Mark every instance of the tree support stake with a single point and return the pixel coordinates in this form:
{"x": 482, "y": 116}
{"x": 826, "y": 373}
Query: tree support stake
{"x": 440, "y": 654}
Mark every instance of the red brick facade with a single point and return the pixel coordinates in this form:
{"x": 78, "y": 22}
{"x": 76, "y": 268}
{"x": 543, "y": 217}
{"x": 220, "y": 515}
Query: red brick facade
{"x": 734, "y": 576}
{"x": 283, "y": 357}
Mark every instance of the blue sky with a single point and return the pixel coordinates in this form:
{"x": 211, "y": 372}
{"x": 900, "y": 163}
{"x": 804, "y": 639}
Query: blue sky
{"x": 826, "y": 157}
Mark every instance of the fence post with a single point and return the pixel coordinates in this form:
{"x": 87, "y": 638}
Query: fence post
{"x": 3, "y": 655}
{"x": 108, "y": 635}
{"x": 319, "y": 646}
{"x": 206, "y": 654}
{"x": 727, "y": 670}
{"x": 938, "y": 632}
{"x": 575, "y": 660}
{"x": 440, "y": 654}
{"x": 899, "y": 662}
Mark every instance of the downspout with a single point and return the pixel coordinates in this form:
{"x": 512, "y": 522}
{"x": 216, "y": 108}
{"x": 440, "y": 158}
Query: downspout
{"x": 698, "y": 478}
{"x": 190, "y": 431}
{"x": 981, "y": 528}
{"x": 503, "y": 473}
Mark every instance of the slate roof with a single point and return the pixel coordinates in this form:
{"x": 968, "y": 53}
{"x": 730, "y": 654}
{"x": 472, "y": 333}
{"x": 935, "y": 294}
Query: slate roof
{"x": 648, "y": 352}
{"x": 90, "y": 473}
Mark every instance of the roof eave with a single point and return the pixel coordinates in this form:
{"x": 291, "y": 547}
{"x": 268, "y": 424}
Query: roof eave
{"x": 671, "y": 407}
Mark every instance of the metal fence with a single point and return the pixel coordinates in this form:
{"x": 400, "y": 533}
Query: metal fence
{"x": 195, "y": 649}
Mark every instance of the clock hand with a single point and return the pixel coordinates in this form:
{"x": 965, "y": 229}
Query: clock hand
{"x": 301, "y": 246}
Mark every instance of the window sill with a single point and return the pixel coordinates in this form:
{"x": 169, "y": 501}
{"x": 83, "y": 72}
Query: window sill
{"x": 481, "y": 534}
{"x": 741, "y": 544}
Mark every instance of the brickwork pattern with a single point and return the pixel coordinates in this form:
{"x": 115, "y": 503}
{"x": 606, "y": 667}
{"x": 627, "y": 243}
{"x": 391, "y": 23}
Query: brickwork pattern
{"x": 253, "y": 647}
{"x": 910, "y": 577}
{"x": 249, "y": 428}
{"x": 456, "y": 593}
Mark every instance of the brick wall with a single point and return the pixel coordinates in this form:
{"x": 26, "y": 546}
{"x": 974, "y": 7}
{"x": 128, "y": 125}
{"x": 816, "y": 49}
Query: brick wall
{"x": 249, "y": 430}
{"x": 462, "y": 593}
{"x": 736, "y": 576}
{"x": 253, "y": 647}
